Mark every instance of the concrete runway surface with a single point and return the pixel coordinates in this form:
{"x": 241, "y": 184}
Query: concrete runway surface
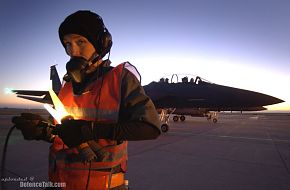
{"x": 240, "y": 152}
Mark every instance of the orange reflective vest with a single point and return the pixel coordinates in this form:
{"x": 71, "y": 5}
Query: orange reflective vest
{"x": 100, "y": 104}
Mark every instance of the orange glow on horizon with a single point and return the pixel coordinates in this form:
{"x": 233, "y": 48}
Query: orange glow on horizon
{"x": 285, "y": 106}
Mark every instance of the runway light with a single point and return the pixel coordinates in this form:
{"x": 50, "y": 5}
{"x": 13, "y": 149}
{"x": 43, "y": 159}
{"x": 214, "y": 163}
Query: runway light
{"x": 59, "y": 112}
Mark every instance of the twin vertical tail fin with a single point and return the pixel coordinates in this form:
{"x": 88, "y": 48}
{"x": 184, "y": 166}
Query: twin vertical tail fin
{"x": 56, "y": 84}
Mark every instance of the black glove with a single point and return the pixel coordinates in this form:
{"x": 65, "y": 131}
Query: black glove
{"x": 74, "y": 132}
{"x": 33, "y": 127}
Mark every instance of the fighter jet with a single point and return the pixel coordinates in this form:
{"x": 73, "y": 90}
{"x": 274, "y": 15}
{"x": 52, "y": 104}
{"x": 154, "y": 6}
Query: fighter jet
{"x": 196, "y": 97}
{"x": 201, "y": 96}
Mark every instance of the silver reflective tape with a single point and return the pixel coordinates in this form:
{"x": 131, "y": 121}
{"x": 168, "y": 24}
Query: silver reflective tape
{"x": 92, "y": 113}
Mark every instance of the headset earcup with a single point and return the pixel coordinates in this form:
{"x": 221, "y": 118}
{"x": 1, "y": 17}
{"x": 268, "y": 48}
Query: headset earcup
{"x": 106, "y": 42}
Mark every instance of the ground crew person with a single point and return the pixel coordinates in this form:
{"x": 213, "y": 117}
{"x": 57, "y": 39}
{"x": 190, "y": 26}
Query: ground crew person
{"x": 108, "y": 106}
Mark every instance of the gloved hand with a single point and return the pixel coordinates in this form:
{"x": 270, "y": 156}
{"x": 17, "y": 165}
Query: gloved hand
{"x": 74, "y": 132}
{"x": 33, "y": 127}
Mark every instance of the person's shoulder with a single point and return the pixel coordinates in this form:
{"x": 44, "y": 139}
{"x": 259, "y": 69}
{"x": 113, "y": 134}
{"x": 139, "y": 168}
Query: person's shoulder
{"x": 130, "y": 71}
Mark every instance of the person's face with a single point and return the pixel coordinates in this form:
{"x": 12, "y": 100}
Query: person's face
{"x": 76, "y": 45}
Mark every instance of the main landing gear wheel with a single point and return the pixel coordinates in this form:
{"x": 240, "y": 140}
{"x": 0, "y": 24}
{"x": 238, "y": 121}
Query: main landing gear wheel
{"x": 175, "y": 118}
{"x": 214, "y": 120}
{"x": 164, "y": 128}
{"x": 182, "y": 118}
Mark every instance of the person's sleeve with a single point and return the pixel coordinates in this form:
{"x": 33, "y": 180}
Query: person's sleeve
{"x": 138, "y": 118}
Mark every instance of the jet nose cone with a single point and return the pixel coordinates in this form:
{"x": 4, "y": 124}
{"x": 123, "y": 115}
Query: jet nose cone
{"x": 276, "y": 100}
{"x": 269, "y": 100}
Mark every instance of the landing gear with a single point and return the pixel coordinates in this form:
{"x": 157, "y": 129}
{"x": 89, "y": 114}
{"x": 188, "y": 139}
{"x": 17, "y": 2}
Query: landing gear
{"x": 212, "y": 116}
{"x": 175, "y": 118}
{"x": 164, "y": 118}
{"x": 182, "y": 118}
{"x": 164, "y": 128}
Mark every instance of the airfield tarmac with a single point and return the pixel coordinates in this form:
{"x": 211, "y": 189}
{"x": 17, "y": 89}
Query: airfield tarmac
{"x": 240, "y": 152}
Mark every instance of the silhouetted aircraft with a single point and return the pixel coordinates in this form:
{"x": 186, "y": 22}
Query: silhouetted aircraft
{"x": 195, "y": 97}
{"x": 198, "y": 97}
{"x": 42, "y": 96}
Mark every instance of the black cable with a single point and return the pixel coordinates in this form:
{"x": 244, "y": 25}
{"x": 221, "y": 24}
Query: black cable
{"x": 89, "y": 176}
{"x": 97, "y": 114}
{"x": 4, "y": 156}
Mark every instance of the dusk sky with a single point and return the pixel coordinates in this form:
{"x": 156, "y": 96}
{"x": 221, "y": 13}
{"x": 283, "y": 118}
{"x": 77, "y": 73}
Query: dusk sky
{"x": 238, "y": 43}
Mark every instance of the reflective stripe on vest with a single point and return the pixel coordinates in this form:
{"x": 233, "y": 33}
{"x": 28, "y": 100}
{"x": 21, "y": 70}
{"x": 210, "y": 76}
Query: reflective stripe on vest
{"x": 92, "y": 113}
{"x": 99, "y": 103}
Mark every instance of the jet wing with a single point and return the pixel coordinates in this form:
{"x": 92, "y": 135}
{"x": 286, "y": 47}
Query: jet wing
{"x": 31, "y": 92}
{"x": 39, "y": 95}
{"x": 34, "y": 95}
{"x": 40, "y": 100}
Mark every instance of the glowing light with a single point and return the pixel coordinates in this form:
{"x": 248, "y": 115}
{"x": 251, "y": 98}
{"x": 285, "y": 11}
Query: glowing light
{"x": 57, "y": 103}
{"x": 59, "y": 112}
{"x": 53, "y": 113}
{"x": 8, "y": 90}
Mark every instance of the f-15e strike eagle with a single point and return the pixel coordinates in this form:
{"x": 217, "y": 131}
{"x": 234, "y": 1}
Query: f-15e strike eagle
{"x": 198, "y": 97}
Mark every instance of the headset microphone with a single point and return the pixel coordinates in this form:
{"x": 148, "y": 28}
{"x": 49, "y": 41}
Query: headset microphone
{"x": 76, "y": 68}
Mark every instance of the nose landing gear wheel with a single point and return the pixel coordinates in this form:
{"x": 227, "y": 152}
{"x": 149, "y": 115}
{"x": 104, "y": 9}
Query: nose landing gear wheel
{"x": 164, "y": 128}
